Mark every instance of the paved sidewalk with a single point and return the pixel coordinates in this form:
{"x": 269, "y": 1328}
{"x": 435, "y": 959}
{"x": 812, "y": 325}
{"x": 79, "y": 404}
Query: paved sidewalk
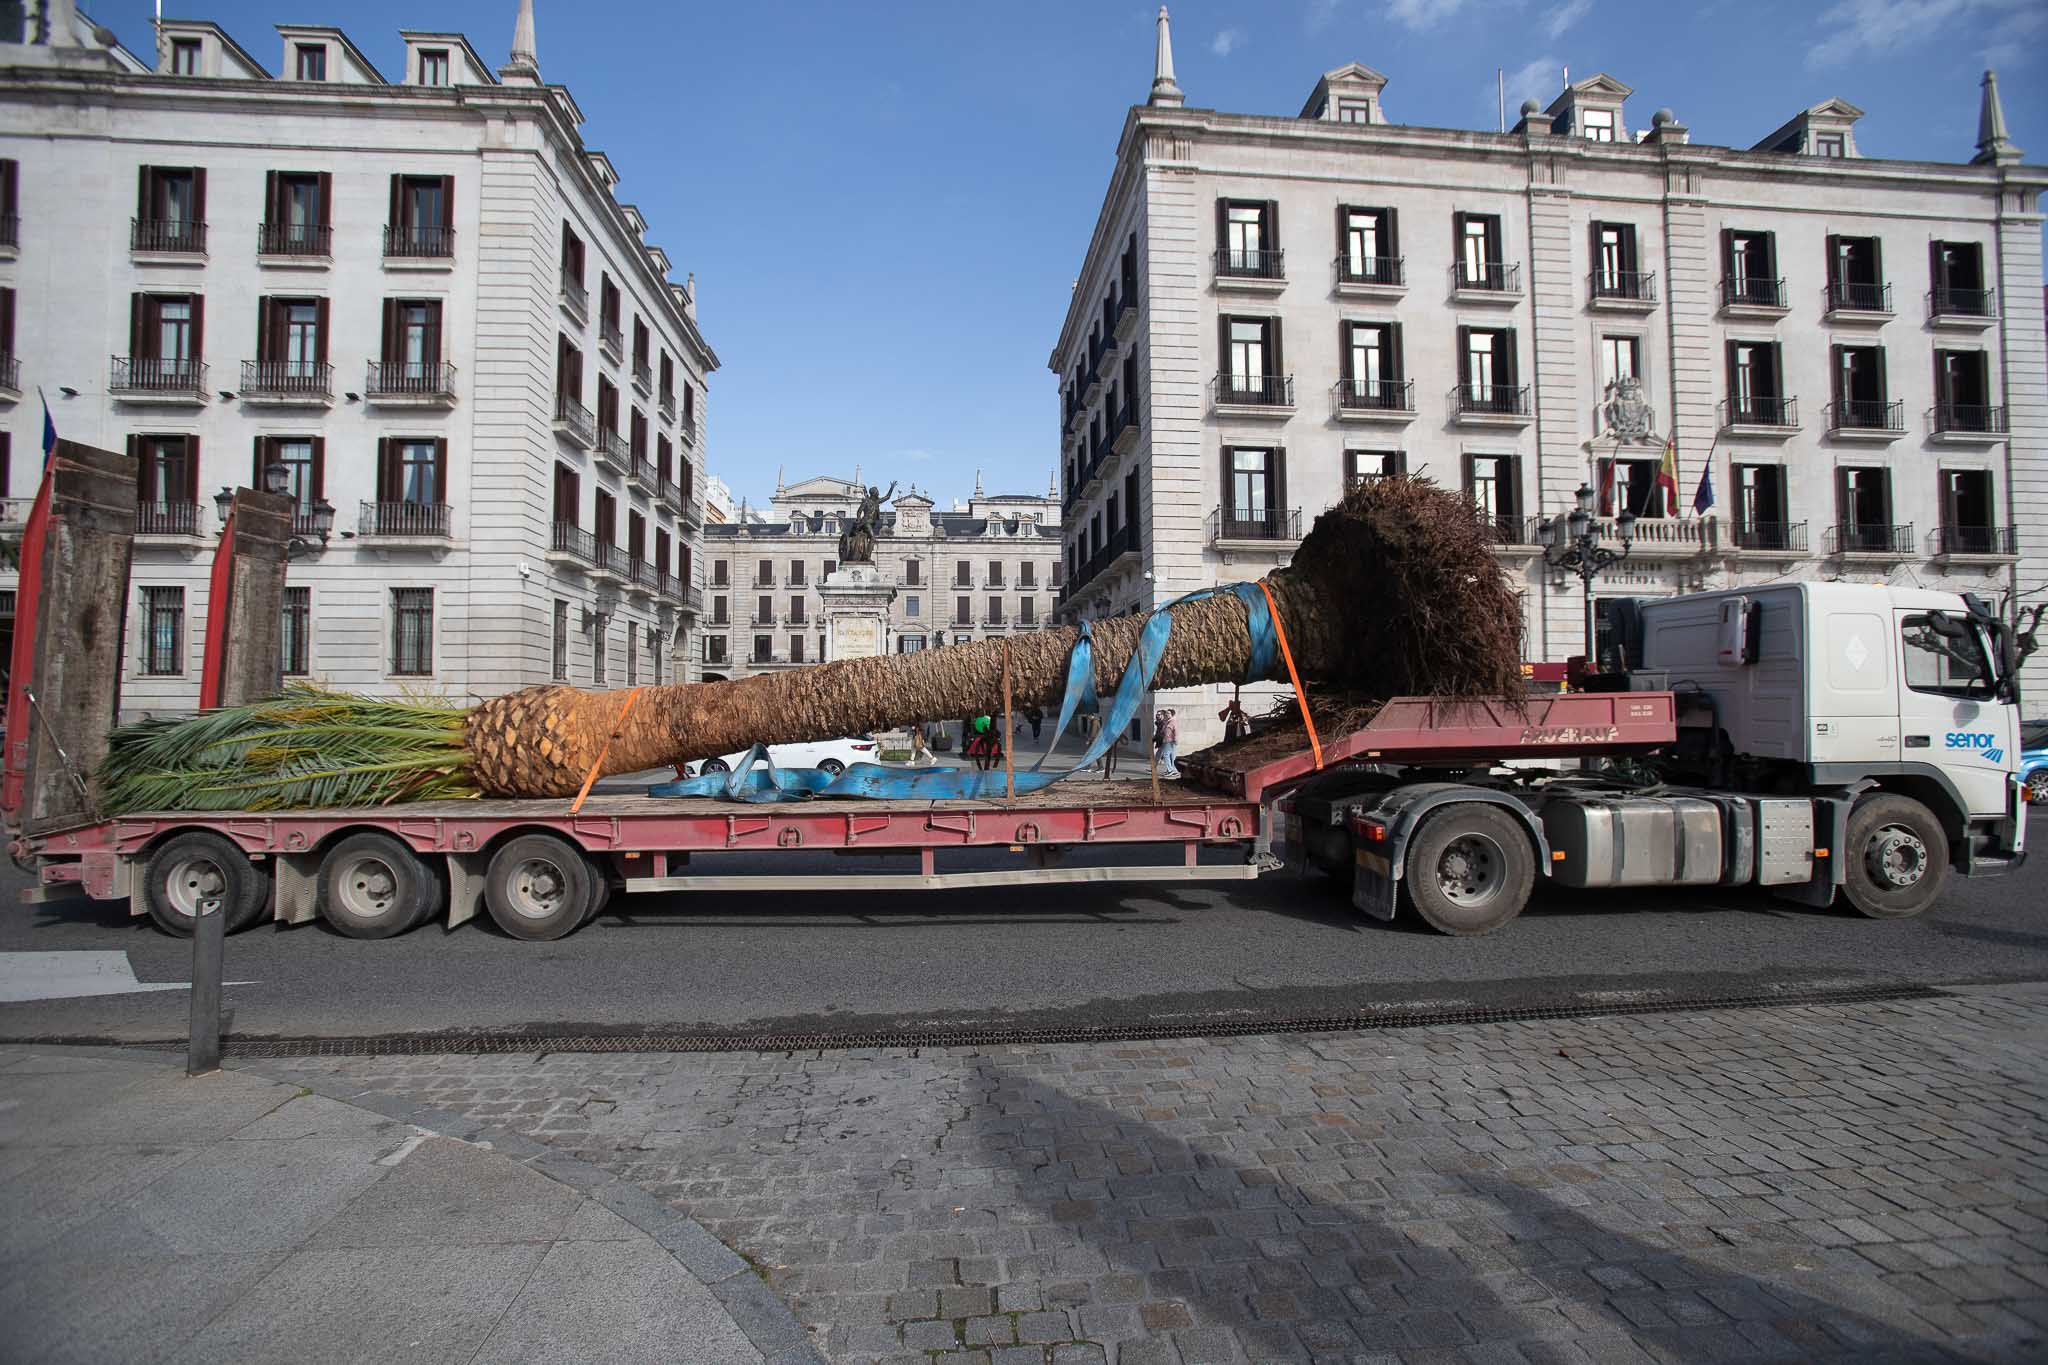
{"x": 1845, "y": 1182}
{"x": 146, "y": 1216}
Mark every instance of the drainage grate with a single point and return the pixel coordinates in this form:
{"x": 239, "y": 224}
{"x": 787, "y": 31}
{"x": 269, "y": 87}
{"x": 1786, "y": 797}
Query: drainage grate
{"x": 1387, "y": 1017}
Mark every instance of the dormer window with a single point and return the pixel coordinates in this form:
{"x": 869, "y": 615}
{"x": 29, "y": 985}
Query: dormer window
{"x": 1830, "y": 144}
{"x": 310, "y": 61}
{"x": 433, "y": 66}
{"x": 1596, "y": 125}
{"x": 1354, "y": 111}
{"x": 184, "y": 56}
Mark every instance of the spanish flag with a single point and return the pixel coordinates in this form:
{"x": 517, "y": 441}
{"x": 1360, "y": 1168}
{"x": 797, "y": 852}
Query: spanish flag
{"x": 1667, "y": 478}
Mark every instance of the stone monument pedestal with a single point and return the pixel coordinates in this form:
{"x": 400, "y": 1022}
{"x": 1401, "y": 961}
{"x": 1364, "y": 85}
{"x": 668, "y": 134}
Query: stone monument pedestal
{"x": 856, "y": 602}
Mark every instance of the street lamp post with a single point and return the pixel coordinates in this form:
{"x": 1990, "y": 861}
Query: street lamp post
{"x": 1579, "y": 551}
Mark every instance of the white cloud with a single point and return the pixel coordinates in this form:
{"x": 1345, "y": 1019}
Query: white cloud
{"x": 1227, "y": 42}
{"x": 1540, "y": 80}
{"x": 1321, "y": 14}
{"x": 1422, "y": 14}
{"x": 1561, "y": 17}
{"x": 1873, "y": 28}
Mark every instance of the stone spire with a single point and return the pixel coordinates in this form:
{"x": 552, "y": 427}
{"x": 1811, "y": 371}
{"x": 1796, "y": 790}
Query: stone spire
{"x": 779, "y": 485}
{"x": 524, "y": 67}
{"x": 1164, "y": 91}
{"x": 977, "y": 483}
{"x": 1052, "y": 483}
{"x": 1994, "y": 147}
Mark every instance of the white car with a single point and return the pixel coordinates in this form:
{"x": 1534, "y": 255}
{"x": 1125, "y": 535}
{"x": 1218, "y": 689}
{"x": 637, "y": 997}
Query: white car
{"x": 832, "y": 756}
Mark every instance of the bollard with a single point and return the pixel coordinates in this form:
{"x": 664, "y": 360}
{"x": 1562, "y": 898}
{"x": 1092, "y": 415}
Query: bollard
{"x": 209, "y": 936}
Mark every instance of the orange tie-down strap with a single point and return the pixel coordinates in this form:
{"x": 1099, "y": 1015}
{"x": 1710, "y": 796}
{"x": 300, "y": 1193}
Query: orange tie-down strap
{"x": 633, "y": 695}
{"x": 1300, "y": 696}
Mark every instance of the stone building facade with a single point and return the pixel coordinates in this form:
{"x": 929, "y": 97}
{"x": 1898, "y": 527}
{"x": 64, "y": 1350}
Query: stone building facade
{"x": 984, "y": 569}
{"x": 420, "y": 296}
{"x": 1272, "y": 307}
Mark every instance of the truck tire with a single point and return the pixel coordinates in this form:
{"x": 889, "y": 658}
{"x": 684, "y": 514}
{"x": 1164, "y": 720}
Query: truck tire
{"x": 371, "y": 885}
{"x": 600, "y": 889}
{"x": 1897, "y": 857}
{"x": 1470, "y": 870}
{"x": 538, "y": 887}
{"x": 191, "y": 867}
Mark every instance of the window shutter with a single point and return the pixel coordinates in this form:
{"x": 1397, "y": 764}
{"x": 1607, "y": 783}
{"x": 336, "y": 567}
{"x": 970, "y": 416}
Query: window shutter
{"x": 432, "y": 347}
{"x": 1279, "y": 476}
{"x": 447, "y": 202}
{"x": 191, "y": 469}
{"x": 391, "y": 350}
{"x": 1397, "y": 368}
{"x": 319, "y": 466}
{"x": 1344, "y": 235}
{"x": 199, "y": 194}
{"x": 387, "y": 476}
{"x": 257, "y": 462}
{"x": 138, "y": 325}
{"x": 1834, "y": 258}
{"x": 1837, "y": 377}
{"x": 198, "y": 328}
{"x": 1732, "y": 390}
{"x": 1272, "y": 225}
{"x": 1936, "y": 275}
{"x": 397, "y": 201}
{"x": 1458, "y": 239}
{"x": 1593, "y": 230}
{"x": 326, "y": 193}
{"x": 1727, "y": 254}
{"x": 1504, "y": 356}
{"x": 1229, "y": 498}
{"x": 1465, "y": 355}
{"x": 1884, "y": 391}
{"x": 263, "y": 331}
{"x": 1390, "y": 240}
{"x": 1776, "y": 352}
{"x": 441, "y": 470}
{"x": 1346, "y": 334}
{"x": 6, "y": 337}
{"x": 1276, "y": 363}
{"x": 320, "y": 331}
{"x": 143, "y": 208}
{"x": 1222, "y": 224}
{"x": 1884, "y": 495}
{"x": 1223, "y": 346}
{"x": 1842, "y": 505}
{"x": 1467, "y": 461}
{"x": 273, "y": 198}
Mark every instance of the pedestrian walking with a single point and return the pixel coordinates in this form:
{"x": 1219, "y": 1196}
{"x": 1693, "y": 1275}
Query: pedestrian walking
{"x": 1110, "y": 755}
{"x": 1166, "y": 739}
{"x": 921, "y": 755}
{"x": 1037, "y": 719}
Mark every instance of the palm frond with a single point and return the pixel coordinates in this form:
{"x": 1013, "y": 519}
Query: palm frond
{"x": 309, "y": 748}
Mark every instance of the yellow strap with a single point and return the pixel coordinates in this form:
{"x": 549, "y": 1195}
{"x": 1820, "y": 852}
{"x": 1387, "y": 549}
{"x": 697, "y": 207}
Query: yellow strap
{"x": 632, "y": 696}
{"x": 1300, "y": 696}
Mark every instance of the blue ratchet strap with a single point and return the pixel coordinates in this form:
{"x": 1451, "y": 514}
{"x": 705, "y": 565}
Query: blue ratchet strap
{"x": 757, "y": 780}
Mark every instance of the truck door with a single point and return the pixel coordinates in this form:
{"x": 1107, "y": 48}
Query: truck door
{"x": 1949, "y": 715}
{"x": 1855, "y": 687}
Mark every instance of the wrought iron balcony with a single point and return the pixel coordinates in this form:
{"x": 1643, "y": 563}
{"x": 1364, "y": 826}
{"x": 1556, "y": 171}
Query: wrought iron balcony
{"x": 1969, "y": 419}
{"x": 1252, "y": 391}
{"x": 575, "y": 421}
{"x": 415, "y": 241}
{"x": 1857, "y": 296}
{"x": 1509, "y": 528}
{"x": 610, "y": 337}
{"x": 643, "y": 376}
{"x": 1787, "y": 537}
{"x": 10, "y": 374}
{"x": 1871, "y": 415}
{"x": 611, "y": 560}
{"x": 613, "y": 452}
{"x": 1373, "y": 398}
{"x": 641, "y": 576}
{"x": 575, "y": 299}
{"x": 1949, "y": 541}
{"x": 167, "y": 519}
{"x": 287, "y": 379}
{"x": 1251, "y": 265}
{"x": 406, "y": 520}
{"x": 167, "y": 236}
{"x": 1969, "y": 305}
{"x": 1623, "y": 287}
{"x": 1753, "y": 292}
{"x": 1869, "y": 538}
{"x": 295, "y": 239}
{"x": 147, "y": 376}
{"x": 1490, "y": 400}
{"x": 1272, "y": 524}
{"x": 572, "y": 542}
{"x": 421, "y": 381}
{"x": 1760, "y": 410}
{"x": 640, "y": 472}
{"x": 1486, "y": 277}
{"x": 668, "y": 492}
{"x": 666, "y": 405}
{"x": 10, "y": 230}
{"x": 1378, "y": 272}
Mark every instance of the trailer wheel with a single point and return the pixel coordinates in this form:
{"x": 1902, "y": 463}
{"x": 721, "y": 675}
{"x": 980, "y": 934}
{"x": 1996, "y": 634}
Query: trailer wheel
{"x": 1897, "y": 857}
{"x": 600, "y": 889}
{"x": 190, "y": 868}
{"x": 371, "y": 885}
{"x": 538, "y": 887}
{"x": 1470, "y": 870}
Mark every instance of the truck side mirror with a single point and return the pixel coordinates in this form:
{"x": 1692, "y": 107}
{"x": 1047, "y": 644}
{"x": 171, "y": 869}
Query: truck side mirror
{"x": 1946, "y": 626}
{"x": 1735, "y": 650}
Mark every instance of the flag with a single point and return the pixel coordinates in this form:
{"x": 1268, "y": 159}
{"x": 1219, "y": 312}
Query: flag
{"x": 1606, "y": 487}
{"x": 1667, "y": 477}
{"x": 1703, "y": 497}
{"x": 49, "y": 427}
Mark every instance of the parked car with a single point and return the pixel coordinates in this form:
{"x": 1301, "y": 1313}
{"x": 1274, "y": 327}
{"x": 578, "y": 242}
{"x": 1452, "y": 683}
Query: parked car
{"x": 2034, "y": 759}
{"x": 829, "y": 755}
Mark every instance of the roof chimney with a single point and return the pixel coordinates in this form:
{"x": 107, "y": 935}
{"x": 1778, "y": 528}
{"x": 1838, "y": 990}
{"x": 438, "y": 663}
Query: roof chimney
{"x": 1993, "y": 146}
{"x": 524, "y": 67}
{"x": 1164, "y": 91}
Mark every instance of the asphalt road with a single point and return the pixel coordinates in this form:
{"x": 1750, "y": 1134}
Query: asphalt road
{"x": 1231, "y": 953}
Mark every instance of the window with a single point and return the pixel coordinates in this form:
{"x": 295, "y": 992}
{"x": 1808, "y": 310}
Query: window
{"x": 796, "y": 573}
{"x": 1949, "y": 666}
{"x": 433, "y": 66}
{"x": 1749, "y": 270}
{"x": 1493, "y": 482}
{"x": 559, "y": 669}
{"x": 1830, "y": 144}
{"x": 764, "y": 574}
{"x": 1863, "y": 509}
{"x": 1596, "y": 125}
{"x": 995, "y": 573}
{"x": 303, "y": 459}
{"x": 1856, "y": 275}
{"x": 714, "y": 649}
{"x": 1354, "y": 111}
{"x": 1027, "y": 574}
{"x": 910, "y": 644}
{"x": 643, "y": 372}
{"x": 1248, "y": 234}
{"x": 912, "y": 607}
{"x": 963, "y": 611}
{"x": 718, "y": 610}
{"x": 412, "y": 479}
{"x": 1251, "y": 361}
{"x": 170, "y": 209}
{"x": 1859, "y": 389}
{"x": 830, "y": 567}
{"x": 764, "y": 649}
{"x": 572, "y": 267}
{"x": 1478, "y": 246}
{"x": 298, "y": 622}
{"x": 1956, "y": 270}
{"x": 412, "y": 343}
{"x": 668, "y": 384}
{"x": 1371, "y": 365}
{"x": 167, "y": 479}
{"x": 297, "y": 213}
{"x": 163, "y": 638}
{"x": 721, "y": 573}
{"x": 412, "y": 632}
{"x": 796, "y": 649}
{"x": 1621, "y": 357}
{"x": 636, "y": 536}
{"x": 636, "y": 442}
{"x": 661, "y": 551}
{"x": 607, "y": 407}
{"x": 1361, "y": 466}
{"x": 422, "y": 216}
{"x": 600, "y": 651}
{"x": 608, "y": 309}
{"x": 1253, "y": 492}
{"x": 1367, "y": 250}
{"x": 764, "y": 608}
{"x": 1968, "y": 514}
{"x": 184, "y": 56}
{"x": 310, "y": 61}
{"x": 796, "y": 611}
{"x": 1760, "y": 509}
{"x": 568, "y": 375}
{"x": 568, "y": 496}
{"x": 1636, "y": 483}
{"x": 10, "y": 202}
{"x": 1486, "y": 370}
{"x": 632, "y": 655}
{"x": 1753, "y": 391}
{"x": 1962, "y": 393}
{"x": 291, "y": 345}
{"x": 1615, "y": 273}
{"x": 963, "y": 574}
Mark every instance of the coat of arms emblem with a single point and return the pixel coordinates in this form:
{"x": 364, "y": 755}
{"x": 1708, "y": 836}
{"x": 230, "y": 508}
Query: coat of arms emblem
{"x": 1628, "y": 418}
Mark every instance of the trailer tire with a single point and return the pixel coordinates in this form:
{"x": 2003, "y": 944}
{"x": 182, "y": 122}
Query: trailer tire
{"x": 372, "y": 885}
{"x": 1897, "y": 857}
{"x": 600, "y": 889}
{"x": 187, "y": 868}
{"x": 1470, "y": 870}
{"x": 538, "y": 888}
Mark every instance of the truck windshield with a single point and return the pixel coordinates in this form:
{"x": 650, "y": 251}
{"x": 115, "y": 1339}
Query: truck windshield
{"x": 1952, "y": 666}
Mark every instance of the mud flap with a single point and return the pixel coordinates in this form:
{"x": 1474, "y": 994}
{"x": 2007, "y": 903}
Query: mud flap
{"x": 465, "y": 886}
{"x": 296, "y": 900}
{"x": 1373, "y": 885}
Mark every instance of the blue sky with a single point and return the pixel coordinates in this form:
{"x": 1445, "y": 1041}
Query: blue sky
{"x": 885, "y": 202}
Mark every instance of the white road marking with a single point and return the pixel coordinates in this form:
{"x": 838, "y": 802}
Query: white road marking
{"x": 70, "y": 975}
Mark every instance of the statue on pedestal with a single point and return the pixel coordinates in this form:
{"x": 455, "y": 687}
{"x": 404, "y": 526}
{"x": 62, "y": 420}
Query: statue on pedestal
{"x": 857, "y": 541}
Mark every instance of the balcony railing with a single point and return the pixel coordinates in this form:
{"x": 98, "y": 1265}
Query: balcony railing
{"x": 1509, "y": 528}
{"x": 610, "y": 336}
{"x": 1624, "y": 286}
{"x": 640, "y": 473}
{"x": 1489, "y": 277}
{"x": 1389, "y": 272}
{"x": 1976, "y": 419}
{"x": 170, "y": 235}
{"x": 1947, "y": 302}
{"x": 1760, "y": 410}
{"x": 613, "y": 452}
{"x": 1251, "y": 265}
{"x": 666, "y": 404}
{"x": 167, "y": 519}
{"x": 147, "y": 375}
{"x": 668, "y": 490}
{"x": 410, "y": 519}
{"x": 643, "y": 376}
{"x": 1789, "y": 536}
{"x": 1490, "y": 400}
{"x": 643, "y": 575}
{"x": 1975, "y": 540}
{"x": 1753, "y": 292}
{"x": 294, "y": 239}
{"x": 10, "y": 374}
{"x": 575, "y": 542}
{"x": 414, "y": 241}
{"x": 409, "y": 379}
{"x": 1864, "y": 414}
{"x": 612, "y": 559}
{"x": 575, "y": 420}
{"x": 287, "y": 379}
{"x": 1374, "y": 395}
{"x": 10, "y": 229}
{"x": 1253, "y": 391}
{"x": 1869, "y": 538}
{"x": 576, "y": 297}
{"x": 1276, "y": 523}
{"x": 1857, "y": 296}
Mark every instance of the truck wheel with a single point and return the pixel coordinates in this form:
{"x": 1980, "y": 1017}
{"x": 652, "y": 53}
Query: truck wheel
{"x": 538, "y": 887}
{"x": 1470, "y": 870}
{"x": 600, "y": 889}
{"x": 190, "y": 868}
{"x": 372, "y": 885}
{"x": 1897, "y": 856}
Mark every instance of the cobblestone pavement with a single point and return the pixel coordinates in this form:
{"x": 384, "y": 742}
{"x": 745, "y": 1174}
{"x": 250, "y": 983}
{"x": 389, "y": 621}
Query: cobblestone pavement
{"x": 1852, "y": 1182}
